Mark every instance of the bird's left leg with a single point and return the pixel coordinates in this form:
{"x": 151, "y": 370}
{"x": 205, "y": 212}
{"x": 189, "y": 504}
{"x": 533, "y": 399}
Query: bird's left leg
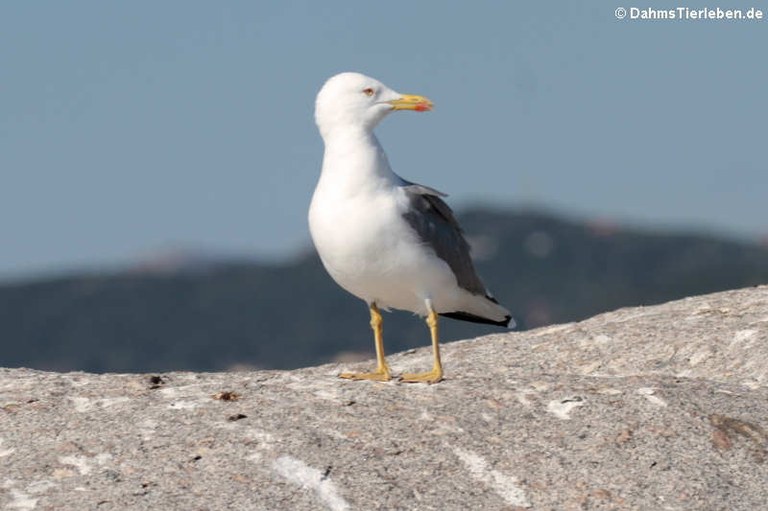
{"x": 436, "y": 374}
{"x": 381, "y": 373}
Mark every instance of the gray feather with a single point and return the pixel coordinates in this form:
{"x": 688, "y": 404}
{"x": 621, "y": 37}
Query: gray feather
{"x": 438, "y": 229}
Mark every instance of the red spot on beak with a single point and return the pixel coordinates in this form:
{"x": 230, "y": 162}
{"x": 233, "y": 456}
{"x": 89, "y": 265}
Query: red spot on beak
{"x": 421, "y": 108}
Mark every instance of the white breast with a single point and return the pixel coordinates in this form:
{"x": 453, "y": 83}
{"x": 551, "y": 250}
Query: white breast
{"x": 370, "y": 250}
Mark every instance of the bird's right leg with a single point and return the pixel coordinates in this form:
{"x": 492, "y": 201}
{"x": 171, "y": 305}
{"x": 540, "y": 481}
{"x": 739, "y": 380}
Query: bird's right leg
{"x": 382, "y": 369}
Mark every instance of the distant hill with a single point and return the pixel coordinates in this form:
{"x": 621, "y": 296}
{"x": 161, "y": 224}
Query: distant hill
{"x": 214, "y": 316}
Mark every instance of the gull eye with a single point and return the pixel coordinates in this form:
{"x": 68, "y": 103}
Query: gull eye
{"x": 368, "y": 91}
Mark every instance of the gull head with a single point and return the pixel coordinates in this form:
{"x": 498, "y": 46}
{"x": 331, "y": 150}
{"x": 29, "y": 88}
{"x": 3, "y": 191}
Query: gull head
{"x": 356, "y": 101}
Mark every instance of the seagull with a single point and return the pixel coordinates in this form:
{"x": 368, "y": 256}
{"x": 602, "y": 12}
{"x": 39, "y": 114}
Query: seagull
{"x": 390, "y": 242}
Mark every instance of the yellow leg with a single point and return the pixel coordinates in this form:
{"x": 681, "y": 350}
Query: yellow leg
{"x": 382, "y": 369}
{"x": 436, "y": 374}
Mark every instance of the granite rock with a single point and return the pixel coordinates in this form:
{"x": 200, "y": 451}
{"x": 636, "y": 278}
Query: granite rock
{"x": 657, "y": 408}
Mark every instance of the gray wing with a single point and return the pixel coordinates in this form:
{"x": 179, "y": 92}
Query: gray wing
{"x": 437, "y": 228}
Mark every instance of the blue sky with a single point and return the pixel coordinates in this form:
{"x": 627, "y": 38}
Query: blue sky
{"x": 127, "y": 127}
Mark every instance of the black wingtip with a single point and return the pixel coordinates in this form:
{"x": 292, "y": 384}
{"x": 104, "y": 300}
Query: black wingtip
{"x": 465, "y": 316}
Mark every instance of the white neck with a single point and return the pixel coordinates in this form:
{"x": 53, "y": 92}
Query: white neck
{"x": 354, "y": 162}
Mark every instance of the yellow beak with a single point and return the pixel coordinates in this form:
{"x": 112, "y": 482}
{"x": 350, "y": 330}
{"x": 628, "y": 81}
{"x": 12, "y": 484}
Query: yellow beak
{"x": 411, "y": 102}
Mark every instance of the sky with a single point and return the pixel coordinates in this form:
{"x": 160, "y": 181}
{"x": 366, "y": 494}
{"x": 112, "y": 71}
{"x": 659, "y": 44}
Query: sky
{"x": 128, "y": 128}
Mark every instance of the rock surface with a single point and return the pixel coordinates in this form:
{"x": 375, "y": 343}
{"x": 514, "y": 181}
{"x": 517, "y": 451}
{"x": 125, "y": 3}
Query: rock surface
{"x": 657, "y": 408}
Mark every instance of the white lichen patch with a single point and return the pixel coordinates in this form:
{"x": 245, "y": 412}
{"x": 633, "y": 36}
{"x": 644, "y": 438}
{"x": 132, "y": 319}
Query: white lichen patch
{"x": 183, "y": 405}
{"x": 328, "y": 394}
{"x": 84, "y": 464}
{"x": 506, "y": 486}
{"x": 522, "y": 398}
{"x": 700, "y": 356}
{"x": 82, "y": 404}
{"x": 540, "y": 386}
{"x": 742, "y": 337}
{"x": 312, "y": 479}
{"x": 561, "y": 408}
{"x": 595, "y": 341}
{"x": 195, "y": 390}
{"x": 40, "y": 486}
{"x": 85, "y": 404}
{"x": 5, "y": 451}
{"x": 81, "y": 463}
{"x": 20, "y": 500}
{"x": 264, "y": 439}
{"x": 648, "y": 393}
{"x": 608, "y": 391}
{"x": 590, "y": 367}
{"x": 549, "y": 330}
